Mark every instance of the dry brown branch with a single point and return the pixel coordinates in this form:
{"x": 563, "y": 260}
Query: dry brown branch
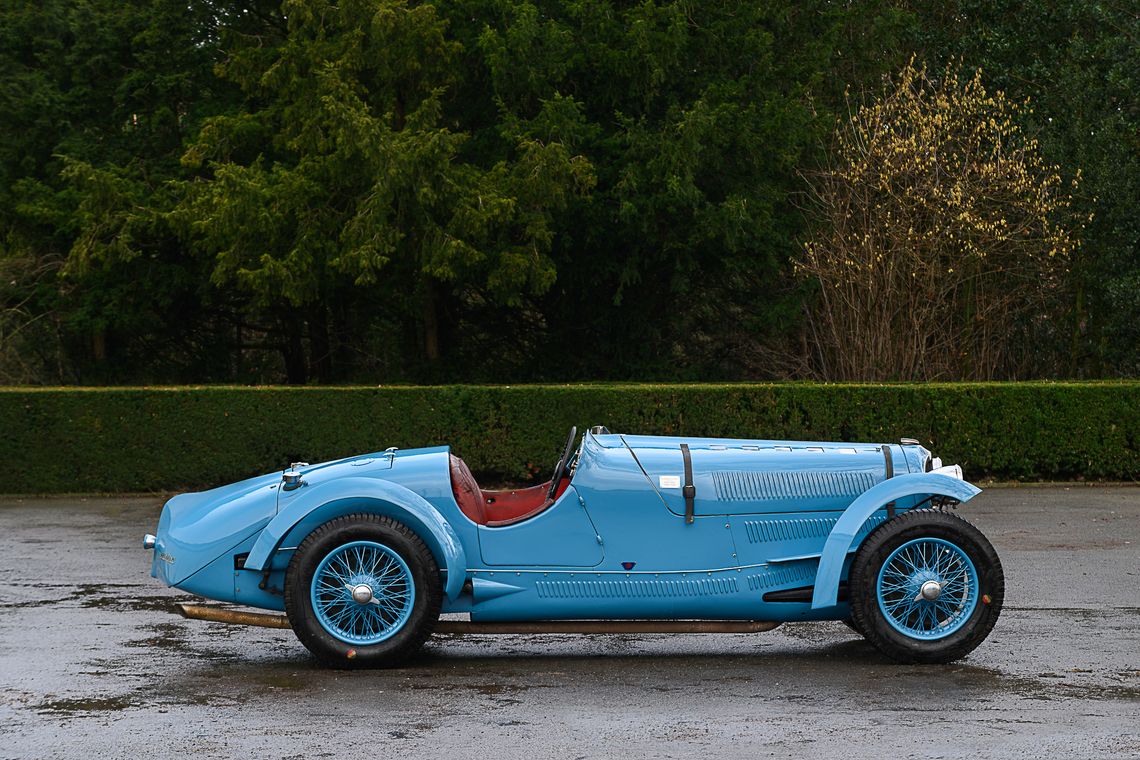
{"x": 935, "y": 233}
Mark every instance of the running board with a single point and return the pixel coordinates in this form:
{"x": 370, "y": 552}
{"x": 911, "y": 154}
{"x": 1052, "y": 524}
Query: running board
{"x": 467, "y": 627}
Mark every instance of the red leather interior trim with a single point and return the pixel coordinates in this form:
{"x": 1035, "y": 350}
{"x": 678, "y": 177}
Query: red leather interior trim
{"x": 498, "y": 508}
{"x": 466, "y": 491}
{"x": 519, "y": 518}
{"x": 506, "y": 505}
{"x": 509, "y": 507}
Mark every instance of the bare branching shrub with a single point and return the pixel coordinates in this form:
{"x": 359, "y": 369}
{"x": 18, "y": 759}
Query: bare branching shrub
{"x": 937, "y": 234}
{"x": 30, "y": 351}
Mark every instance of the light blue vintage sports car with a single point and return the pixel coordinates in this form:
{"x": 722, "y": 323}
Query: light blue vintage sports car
{"x": 632, "y": 533}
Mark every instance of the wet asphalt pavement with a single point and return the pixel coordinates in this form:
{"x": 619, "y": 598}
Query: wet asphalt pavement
{"x": 94, "y": 664}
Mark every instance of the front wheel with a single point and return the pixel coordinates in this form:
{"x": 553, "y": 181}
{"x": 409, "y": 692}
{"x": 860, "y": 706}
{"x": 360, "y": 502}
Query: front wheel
{"x": 926, "y": 586}
{"x": 362, "y": 591}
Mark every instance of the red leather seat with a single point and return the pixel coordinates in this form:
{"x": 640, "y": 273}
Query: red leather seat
{"x": 498, "y": 508}
{"x": 466, "y": 491}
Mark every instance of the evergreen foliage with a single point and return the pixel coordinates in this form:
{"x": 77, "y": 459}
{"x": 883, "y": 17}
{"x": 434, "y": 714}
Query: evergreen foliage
{"x": 502, "y": 190}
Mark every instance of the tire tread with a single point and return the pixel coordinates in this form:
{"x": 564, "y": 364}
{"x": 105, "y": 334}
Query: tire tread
{"x": 867, "y": 617}
{"x": 391, "y": 652}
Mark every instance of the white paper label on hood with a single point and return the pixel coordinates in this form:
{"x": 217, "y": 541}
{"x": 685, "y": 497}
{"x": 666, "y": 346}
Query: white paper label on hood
{"x": 670, "y": 481}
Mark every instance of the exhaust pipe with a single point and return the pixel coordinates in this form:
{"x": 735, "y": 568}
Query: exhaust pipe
{"x": 235, "y": 617}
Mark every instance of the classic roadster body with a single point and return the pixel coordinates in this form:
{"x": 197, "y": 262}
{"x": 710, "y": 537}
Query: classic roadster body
{"x": 363, "y": 554}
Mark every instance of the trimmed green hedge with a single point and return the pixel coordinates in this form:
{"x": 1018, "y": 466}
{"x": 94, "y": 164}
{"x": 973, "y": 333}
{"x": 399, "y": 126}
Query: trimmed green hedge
{"x": 159, "y": 439}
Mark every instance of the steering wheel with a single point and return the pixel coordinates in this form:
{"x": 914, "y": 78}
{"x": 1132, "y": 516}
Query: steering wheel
{"x": 563, "y": 465}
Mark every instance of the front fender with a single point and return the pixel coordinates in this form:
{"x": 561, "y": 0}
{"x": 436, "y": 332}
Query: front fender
{"x": 843, "y": 534}
{"x": 381, "y": 497}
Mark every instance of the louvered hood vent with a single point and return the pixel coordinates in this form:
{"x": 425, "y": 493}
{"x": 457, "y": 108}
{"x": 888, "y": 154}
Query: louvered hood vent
{"x": 762, "y": 486}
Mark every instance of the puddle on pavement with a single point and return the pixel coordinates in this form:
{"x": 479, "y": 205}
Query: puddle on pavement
{"x": 502, "y": 694}
{"x": 136, "y": 604}
{"x": 1043, "y": 686}
{"x": 83, "y": 705}
{"x": 168, "y": 636}
{"x": 104, "y": 596}
{"x": 109, "y": 596}
{"x": 488, "y": 689}
{"x": 291, "y": 679}
{"x": 411, "y": 731}
{"x": 209, "y": 700}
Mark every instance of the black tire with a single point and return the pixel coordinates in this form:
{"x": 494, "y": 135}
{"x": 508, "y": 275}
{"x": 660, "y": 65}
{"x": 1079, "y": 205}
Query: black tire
{"x": 850, "y": 623}
{"x": 425, "y": 606}
{"x": 868, "y": 616}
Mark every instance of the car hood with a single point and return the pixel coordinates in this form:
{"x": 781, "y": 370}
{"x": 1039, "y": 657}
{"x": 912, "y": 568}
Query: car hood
{"x": 722, "y": 444}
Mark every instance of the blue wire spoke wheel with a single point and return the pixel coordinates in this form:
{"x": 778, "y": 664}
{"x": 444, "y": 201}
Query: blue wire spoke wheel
{"x": 927, "y": 588}
{"x": 362, "y": 593}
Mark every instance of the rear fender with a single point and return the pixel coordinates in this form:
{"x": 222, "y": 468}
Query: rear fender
{"x": 348, "y": 495}
{"x": 842, "y": 536}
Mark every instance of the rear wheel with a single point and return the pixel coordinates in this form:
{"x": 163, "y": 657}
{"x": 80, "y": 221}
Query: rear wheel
{"x": 362, "y": 591}
{"x": 926, "y": 586}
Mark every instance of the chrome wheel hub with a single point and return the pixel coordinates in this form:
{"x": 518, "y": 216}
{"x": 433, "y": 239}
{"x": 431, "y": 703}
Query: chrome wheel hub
{"x": 362, "y": 593}
{"x": 928, "y": 588}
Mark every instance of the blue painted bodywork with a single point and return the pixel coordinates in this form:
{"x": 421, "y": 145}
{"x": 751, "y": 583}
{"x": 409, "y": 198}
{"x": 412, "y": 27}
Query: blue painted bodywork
{"x": 841, "y": 540}
{"x": 769, "y": 516}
